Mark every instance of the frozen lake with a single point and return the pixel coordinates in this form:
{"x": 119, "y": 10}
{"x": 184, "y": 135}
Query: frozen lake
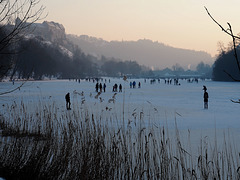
{"x": 162, "y": 104}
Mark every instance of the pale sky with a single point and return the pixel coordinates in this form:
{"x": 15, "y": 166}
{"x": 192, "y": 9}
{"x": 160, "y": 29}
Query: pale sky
{"x": 178, "y": 23}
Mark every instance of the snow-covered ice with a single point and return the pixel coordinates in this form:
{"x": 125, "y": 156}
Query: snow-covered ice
{"x": 162, "y": 104}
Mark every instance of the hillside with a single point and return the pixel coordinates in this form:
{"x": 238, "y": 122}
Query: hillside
{"x": 47, "y": 53}
{"x": 144, "y": 52}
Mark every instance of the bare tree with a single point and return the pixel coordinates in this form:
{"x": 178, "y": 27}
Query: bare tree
{"x": 16, "y": 18}
{"x": 221, "y": 47}
{"x": 235, "y": 40}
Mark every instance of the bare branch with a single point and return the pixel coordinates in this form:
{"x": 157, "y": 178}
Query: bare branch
{"x": 230, "y": 33}
{"x": 236, "y": 101}
{"x": 17, "y": 88}
{"x": 234, "y": 46}
{"x": 237, "y": 80}
{"x": 27, "y": 12}
{"x": 223, "y": 29}
{"x": 16, "y": 20}
{"x": 24, "y": 12}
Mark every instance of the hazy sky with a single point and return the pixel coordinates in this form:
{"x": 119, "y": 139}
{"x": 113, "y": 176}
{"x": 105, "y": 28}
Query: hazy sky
{"x": 178, "y": 23}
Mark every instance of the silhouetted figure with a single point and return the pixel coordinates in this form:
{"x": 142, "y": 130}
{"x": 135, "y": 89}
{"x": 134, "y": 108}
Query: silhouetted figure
{"x": 96, "y": 87}
{"x": 115, "y": 87}
{"x": 134, "y": 84}
{"x": 120, "y": 88}
{"x": 204, "y": 88}
{"x": 100, "y": 87}
{"x": 205, "y": 97}
{"x": 68, "y": 103}
{"x": 104, "y": 87}
{"x": 139, "y": 85}
{"x": 205, "y": 100}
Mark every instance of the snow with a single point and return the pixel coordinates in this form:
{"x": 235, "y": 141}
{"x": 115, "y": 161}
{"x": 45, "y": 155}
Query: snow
{"x": 161, "y": 104}
{"x": 66, "y": 51}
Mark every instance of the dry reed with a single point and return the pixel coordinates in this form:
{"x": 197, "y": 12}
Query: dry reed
{"x": 80, "y": 144}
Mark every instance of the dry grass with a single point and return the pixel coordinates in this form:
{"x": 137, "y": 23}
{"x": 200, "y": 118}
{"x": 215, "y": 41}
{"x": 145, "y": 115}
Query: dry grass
{"x": 46, "y": 144}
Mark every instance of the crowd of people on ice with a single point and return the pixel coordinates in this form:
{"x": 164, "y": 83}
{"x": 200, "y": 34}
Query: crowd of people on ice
{"x": 101, "y": 86}
{"x": 174, "y": 81}
{"x": 133, "y": 84}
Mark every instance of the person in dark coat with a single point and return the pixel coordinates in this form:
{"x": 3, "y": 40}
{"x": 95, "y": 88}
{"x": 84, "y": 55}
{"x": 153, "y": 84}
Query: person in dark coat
{"x": 120, "y": 88}
{"x": 68, "y": 103}
{"x": 100, "y": 87}
{"x": 134, "y": 84}
{"x": 104, "y": 87}
{"x": 205, "y": 97}
{"x": 115, "y": 87}
{"x": 96, "y": 87}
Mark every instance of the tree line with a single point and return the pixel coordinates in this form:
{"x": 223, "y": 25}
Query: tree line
{"x": 37, "y": 58}
{"x": 226, "y": 63}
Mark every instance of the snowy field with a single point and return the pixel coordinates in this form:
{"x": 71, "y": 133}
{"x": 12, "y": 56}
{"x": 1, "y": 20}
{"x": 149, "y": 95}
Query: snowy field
{"x": 159, "y": 104}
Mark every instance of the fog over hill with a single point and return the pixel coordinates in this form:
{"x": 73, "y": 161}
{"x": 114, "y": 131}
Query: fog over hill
{"x": 144, "y": 51}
